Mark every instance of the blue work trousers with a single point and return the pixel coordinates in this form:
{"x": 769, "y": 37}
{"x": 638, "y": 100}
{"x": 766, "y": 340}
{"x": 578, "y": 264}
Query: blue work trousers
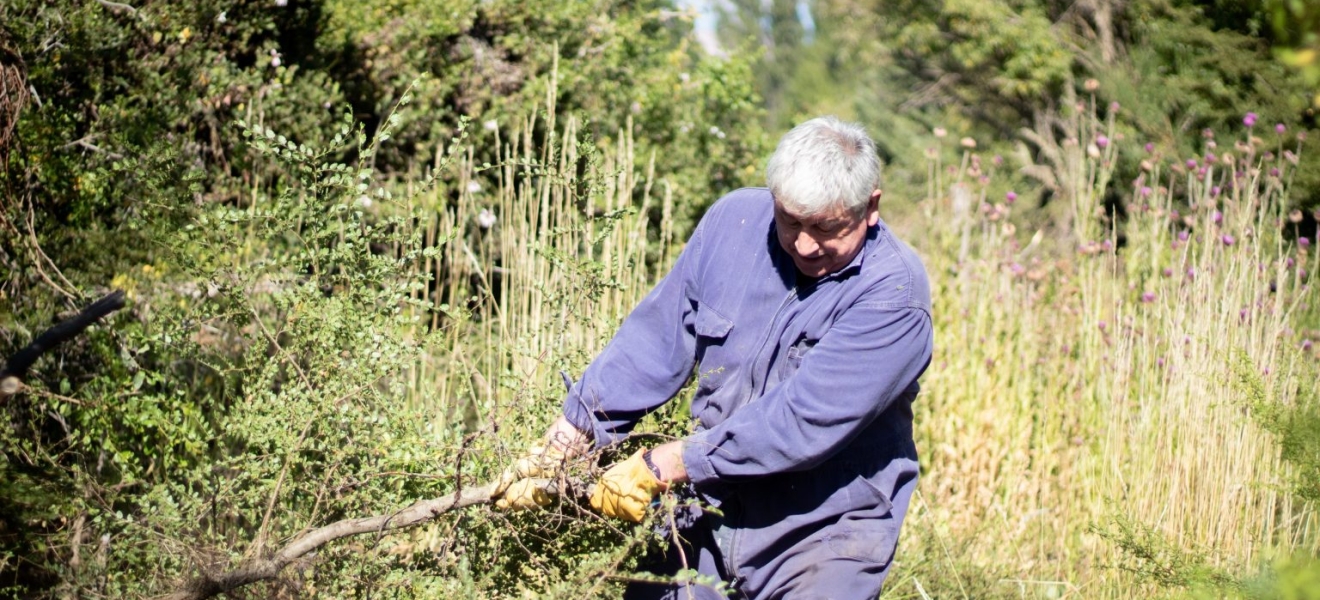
{"x": 814, "y": 565}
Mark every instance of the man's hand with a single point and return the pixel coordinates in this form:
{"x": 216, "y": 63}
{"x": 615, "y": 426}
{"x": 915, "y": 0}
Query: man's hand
{"x": 625, "y": 490}
{"x": 515, "y": 490}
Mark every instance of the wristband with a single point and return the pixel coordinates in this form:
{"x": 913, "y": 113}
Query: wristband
{"x": 646, "y": 458}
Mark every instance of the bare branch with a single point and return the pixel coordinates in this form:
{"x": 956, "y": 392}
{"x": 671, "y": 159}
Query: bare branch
{"x": 86, "y": 143}
{"x": 420, "y": 512}
{"x": 117, "y": 8}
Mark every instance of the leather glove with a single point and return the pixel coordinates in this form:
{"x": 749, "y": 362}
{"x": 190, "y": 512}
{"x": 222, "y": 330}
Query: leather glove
{"x": 625, "y": 490}
{"x": 515, "y": 489}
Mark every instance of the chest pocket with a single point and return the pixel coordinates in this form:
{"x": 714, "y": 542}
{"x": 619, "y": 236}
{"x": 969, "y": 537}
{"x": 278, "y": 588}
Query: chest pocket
{"x": 712, "y": 356}
{"x": 793, "y": 357}
{"x": 799, "y": 350}
{"x": 712, "y": 331}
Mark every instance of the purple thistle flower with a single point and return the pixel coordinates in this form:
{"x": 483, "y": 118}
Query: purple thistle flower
{"x": 1274, "y": 172}
{"x": 1145, "y": 190}
{"x": 1306, "y": 345}
{"x": 1210, "y": 157}
{"x": 1159, "y": 362}
{"x": 1102, "y": 142}
{"x": 1214, "y": 191}
{"x": 1249, "y": 120}
{"x": 1101, "y": 325}
{"x": 1191, "y": 163}
{"x": 1227, "y": 239}
{"x": 1207, "y": 133}
{"x": 1113, "y": 107}
{"x": 1010, "y": 197}
{"x": 1191, "y": 272}
{"x": 1183, "y": 235}
{"x": 1150, "y": 147}
{"x": 1147, "y": 297}
{"x": 1279, "y": 128}
{"x": 1303, "y": 242}
{"x": 1107, "y": 245}
{"x": 1168, "y": 271}
{"x": 1217, "y": 217}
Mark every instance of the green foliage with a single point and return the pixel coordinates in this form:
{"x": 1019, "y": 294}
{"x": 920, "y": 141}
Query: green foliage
{"x": 1152, "y": 557}
{"x": 267, "y": 376}
{"x": 1296, "y": 26}
{"x": 1294, "y": 577}
{"x": 1008, "y": 75}
{"x": 1183, "y": 573}
{"x": 1295, "y": 426}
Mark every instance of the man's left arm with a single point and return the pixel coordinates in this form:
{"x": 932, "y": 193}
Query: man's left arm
{"x": 867, "y": 359}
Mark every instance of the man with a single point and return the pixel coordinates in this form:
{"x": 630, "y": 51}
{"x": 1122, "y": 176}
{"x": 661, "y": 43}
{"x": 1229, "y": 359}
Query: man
{"x": 808, "y": 324}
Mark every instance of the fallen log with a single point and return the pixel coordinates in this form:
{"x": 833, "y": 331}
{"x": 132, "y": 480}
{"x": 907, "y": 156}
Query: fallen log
{"x": 418, "y": 513}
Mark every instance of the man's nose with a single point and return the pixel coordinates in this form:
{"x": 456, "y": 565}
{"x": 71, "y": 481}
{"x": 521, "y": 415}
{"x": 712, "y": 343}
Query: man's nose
{"x": 805, "y": 245}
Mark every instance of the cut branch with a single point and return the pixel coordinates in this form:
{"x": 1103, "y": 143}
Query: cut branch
{"x": 420, "y": 512}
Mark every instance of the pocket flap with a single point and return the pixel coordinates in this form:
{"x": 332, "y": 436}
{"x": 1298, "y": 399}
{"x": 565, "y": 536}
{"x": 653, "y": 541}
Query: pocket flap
{"x": 712, "y": 324}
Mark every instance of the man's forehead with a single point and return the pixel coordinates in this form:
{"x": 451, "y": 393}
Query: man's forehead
{"x": 834, "y": 213}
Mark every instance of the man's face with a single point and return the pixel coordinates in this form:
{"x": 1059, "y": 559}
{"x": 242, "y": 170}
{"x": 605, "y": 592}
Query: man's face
{"x": 824, "y": 243}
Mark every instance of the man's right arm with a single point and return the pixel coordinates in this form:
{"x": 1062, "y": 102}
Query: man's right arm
{"x": 643, "y": 366}
{"x": 648, "y": 360}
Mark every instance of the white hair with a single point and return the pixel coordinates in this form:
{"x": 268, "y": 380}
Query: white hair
{"x": 824, "y": 164}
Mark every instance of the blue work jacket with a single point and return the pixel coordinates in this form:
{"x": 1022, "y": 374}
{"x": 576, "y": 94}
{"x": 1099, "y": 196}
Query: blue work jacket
{"x": 804, "y": 392}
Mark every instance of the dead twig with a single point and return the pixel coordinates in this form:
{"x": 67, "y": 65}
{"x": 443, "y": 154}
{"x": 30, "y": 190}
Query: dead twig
{"x": 41, "y": 254}
{"x": 420, "y": 512}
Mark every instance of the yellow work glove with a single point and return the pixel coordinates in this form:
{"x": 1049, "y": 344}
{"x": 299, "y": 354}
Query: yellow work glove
{"x": 515, "y": 489}
{"x": 625, "y": 490}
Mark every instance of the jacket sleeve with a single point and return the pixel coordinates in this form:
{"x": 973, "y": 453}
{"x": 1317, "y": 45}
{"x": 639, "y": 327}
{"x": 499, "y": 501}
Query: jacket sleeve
{"x": 870, "y": 357}
{"x": 648, "y": 360}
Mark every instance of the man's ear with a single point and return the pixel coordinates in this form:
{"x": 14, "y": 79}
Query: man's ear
{"x": 873, "y": 208}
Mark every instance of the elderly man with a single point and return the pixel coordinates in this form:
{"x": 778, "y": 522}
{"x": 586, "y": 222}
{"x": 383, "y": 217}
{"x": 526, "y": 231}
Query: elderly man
{"x": 807, "y": 324}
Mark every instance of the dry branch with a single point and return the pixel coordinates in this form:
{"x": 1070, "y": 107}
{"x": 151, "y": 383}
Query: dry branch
{"x": 420, "y": 512}
{"x": 16, "y": 366}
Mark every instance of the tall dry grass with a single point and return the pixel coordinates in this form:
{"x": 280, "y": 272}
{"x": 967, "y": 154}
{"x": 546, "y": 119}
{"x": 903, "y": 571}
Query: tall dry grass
{"x": 1091, "y": 398}
{"x": 542, "y": 255}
